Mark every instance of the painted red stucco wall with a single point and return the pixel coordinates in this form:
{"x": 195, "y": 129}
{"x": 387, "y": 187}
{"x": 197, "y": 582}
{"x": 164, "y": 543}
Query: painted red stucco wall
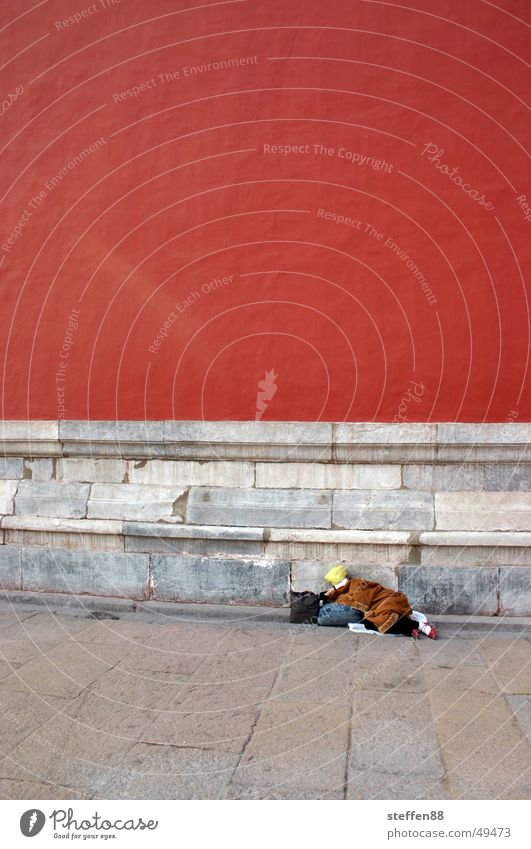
{"x": 275, "y": 210}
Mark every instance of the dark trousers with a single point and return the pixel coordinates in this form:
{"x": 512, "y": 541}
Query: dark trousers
{"x": 404, "y": 625}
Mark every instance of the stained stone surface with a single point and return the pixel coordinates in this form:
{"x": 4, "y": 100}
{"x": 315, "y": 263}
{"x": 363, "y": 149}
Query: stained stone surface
{"x": 228, "y": 707}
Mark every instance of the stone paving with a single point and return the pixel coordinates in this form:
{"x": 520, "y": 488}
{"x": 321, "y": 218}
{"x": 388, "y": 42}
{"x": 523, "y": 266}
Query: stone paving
{"x": 151, "y": 706}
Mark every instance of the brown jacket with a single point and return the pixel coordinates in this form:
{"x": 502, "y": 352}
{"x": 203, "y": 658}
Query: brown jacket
{"x": 378, "y": 604}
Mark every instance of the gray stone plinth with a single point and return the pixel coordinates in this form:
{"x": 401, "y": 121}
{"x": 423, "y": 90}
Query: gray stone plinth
{"x": 453, "y": 589}
{"x": 449, "y": 500}
{"x": 219, "y": 579}
{"x": 308, "y": 574}
{"x": 515, "y": 591}
{"x": 10, "y": 568}
{"x": 101, "y": 573}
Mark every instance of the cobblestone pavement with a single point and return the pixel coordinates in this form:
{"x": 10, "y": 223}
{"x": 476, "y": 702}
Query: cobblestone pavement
{"x": 149, "y": 706}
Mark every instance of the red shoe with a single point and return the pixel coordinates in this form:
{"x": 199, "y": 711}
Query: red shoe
{"x": 428, "y": 629}
{"x": 415, "y": 633}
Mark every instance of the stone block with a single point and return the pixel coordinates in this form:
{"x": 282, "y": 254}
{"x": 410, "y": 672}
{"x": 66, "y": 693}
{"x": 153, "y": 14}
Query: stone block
{"x": 339, "y": 536}
{"x": 484, "y": 443}
{"x": 11, "y": 468}
{"x": 379, "y": 572}
{"x": 380, "y": 442}
{"x": 213, "y": 532}
{"x": 41, "y": 469}
{"x": 282, "y": 433}
{"x": 250, "y": 581}
{"x": 33, "y": 429}
{"x": 112, "y": 439}
{"x": 484, "y": 453}
{"x": 369, "y": 555}
{"x": 192, "y": 473}
{"x": 384, "y": 433}
{"x": 515, "y": 591}
{"x": 111, "y": 431}
{"x": 308, "y": 574}
{"x": 249, "y": 440}
{"x": 61, "y": 525}
{"x": 10, "y": 568}
{"x": 470, "y": 555}
{"x": 449, "y": 476}
{"x": 509, "y": 433}
{"x": 132, "y": 502}
{"x": 491, "y": 539}
{"x": 67, "y": 500}
{"x": 327, "y": 476}
{"x": 483, "y": 511}
{"x": 475, "y": 548}
{"x": 88, "y": 470}
{"x": 29, "y": 438}
{"x": 508, "y": 476}
{"x": 373, "y": 509}
{"x": 451, "y": 589}
{"x": 192, "y": 545}
{"x": 97, "y": 573}
{"x": 77, "y": 538}
{"x": 7, "y": 494}
{"x": 366, "y": 547}
{"x": 269, "y": 507}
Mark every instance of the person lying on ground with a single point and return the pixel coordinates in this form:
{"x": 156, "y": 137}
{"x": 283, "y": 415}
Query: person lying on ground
{"x": 378, "y": 608}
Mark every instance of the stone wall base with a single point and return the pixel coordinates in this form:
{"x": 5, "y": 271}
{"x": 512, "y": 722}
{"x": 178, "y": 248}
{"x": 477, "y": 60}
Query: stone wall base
{"x": 242, "y": 512}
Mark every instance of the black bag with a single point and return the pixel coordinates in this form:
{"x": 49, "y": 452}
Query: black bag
{"x": 304, "y": 607}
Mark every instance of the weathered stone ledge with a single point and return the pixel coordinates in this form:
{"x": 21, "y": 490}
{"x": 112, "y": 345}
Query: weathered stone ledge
{"x": 278, "y": 441}
{"x": 159, "y": 529}
{"x": 371, "y": 548}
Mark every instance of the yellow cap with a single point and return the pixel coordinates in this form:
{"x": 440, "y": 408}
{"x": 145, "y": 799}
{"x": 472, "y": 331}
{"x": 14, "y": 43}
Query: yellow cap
{"x": 335, "y": 575}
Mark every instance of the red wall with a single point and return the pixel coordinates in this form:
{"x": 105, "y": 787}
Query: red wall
{"x": 189, "y": 180}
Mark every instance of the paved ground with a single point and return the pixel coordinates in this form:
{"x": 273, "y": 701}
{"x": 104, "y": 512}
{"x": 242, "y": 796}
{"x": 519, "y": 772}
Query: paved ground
{"x": 149, "y": 706}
